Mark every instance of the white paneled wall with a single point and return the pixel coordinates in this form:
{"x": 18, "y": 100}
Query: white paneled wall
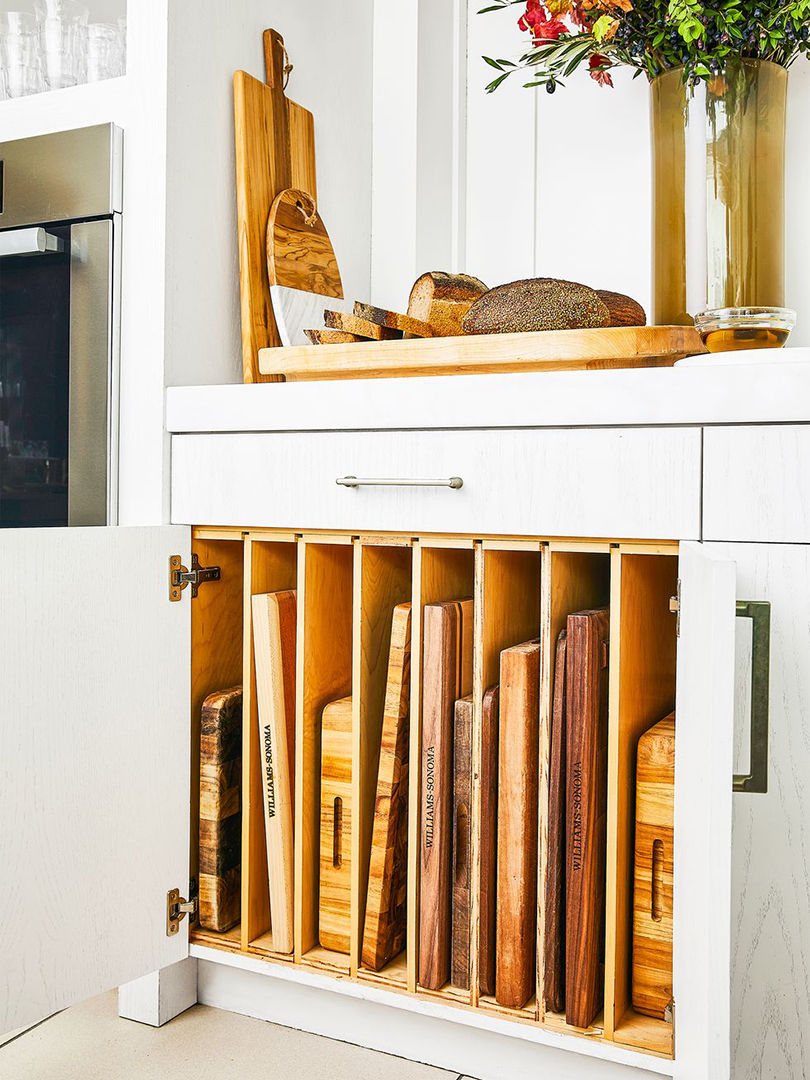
{"x": 525, "y": 182}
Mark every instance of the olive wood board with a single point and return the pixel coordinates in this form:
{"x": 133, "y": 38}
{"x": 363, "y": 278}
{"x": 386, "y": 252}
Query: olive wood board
{"x": 546, "y": 350}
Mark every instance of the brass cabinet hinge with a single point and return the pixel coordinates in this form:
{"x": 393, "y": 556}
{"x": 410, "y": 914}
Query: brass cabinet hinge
{"x": 177, "y": 907}
{"x": 180, "y": 577}
{"x": 675, "y": 608}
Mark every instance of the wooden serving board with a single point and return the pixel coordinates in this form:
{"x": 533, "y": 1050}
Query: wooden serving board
{"x": 274, "y": 634}
{"x": 652, "y": 891}
{"x": 220, "y": 810}
{"x": 462, "y": 852}
{"x": 518, "y": 778}
{"x": 488, "y": 843}
{"x": 482, "y": 354}
{"x": 275, "y": 149}
{"x": 446, "y": 676}
{"x": 334, "y": 902}
{"x": 384, "y": 933}
{"x": 554, "y": 948}
{"x": 586, "y": 812}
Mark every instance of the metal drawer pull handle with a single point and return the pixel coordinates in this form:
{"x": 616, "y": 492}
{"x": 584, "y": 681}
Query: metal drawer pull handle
{"x": 30, "y": 242}
{"x": 759, "y": 611}
{"x": 353, "y": 481}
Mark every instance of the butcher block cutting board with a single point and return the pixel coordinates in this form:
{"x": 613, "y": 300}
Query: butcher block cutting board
{"x": 652, "y": 887}
{"x": 486, "y": 354}
{"x": 334, "y": 904}
{"x": 275, "y": 149}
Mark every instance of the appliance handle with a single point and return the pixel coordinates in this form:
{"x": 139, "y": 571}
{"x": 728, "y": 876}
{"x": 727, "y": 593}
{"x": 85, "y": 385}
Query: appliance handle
{"x": 454, "y": 482}
{"x": 36, "y": 241}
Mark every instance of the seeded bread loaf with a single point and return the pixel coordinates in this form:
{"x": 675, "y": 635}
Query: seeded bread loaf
{"x": 536, "y": 304}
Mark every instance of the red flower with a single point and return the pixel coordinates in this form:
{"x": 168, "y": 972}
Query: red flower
{"x": 543, "y": 26}
{"x": 599, "y": 66}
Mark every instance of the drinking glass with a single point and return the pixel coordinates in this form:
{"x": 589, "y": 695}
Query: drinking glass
{"x": 20, "y": 54}
{"x": 63, "y": 40}
{"x": 103, "y": 52}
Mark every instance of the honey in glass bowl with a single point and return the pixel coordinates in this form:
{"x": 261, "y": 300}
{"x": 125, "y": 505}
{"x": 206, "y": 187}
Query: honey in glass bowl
{"x": 729, "y": 329}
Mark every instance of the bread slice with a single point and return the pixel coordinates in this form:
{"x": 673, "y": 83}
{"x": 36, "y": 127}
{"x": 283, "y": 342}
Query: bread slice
{"x": 393, "y": 320}
{"x": 536, "y": 304}
{"x": 332, "y": 337}
{"x": 362, "y": 328}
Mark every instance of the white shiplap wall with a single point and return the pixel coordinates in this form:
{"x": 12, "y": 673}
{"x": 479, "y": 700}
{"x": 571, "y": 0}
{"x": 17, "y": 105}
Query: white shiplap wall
{"x": 533, "y": 184}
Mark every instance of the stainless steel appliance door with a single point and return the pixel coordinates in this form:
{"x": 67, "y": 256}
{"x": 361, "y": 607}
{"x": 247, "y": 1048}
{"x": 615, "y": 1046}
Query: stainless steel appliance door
{"x": 93, "y": 409}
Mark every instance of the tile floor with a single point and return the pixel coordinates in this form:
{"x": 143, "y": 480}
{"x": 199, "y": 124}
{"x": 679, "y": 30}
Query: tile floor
{"x": 90, "y": 1042}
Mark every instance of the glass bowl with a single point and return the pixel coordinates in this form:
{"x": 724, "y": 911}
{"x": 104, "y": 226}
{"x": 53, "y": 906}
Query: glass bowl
{"x": 729, "y": 329}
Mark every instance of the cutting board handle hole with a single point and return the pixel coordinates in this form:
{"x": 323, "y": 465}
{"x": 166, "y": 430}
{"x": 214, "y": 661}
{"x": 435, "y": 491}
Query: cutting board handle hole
{"x": 462, "y": 843}
{"x": 337, "y": 833}
{"x": 657, "y": 890}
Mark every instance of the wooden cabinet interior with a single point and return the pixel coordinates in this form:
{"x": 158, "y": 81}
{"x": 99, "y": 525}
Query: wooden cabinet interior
{"x": 348, "y": 586}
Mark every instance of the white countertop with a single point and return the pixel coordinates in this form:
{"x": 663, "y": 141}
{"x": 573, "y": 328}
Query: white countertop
{"x": 702, "y": 390}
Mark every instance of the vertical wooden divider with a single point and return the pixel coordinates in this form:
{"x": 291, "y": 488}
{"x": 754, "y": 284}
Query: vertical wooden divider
{"x": 323, "y": 674}
{"x": 216, "y": 654}
{"x": 477, "y": 749}
{"x": 642, "y": 693}
{"x": 578, "y": 578}
{"x": 269, "y": 566}
{"x": 382, "y": 579}
{"x": 546, "y": 668}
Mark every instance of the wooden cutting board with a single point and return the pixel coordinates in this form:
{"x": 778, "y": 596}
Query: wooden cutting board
{"x": 462, "y": 853}
{"x": 446, "y": 677}
{"x": 554, "y": 949}
{"x": 275, "y": 149}
{"x": 274, "y": 633}
{"x": 652, "y": 892}
{"x": 334, "y": 901}
{"x": 518, "y": 776}
{"x": 220, "y": 810}
{"x": 586, "y": 696}
{"x": 299, "y": 252}
{"x": 488, "y": 843}
{"x": 384, "y": 933}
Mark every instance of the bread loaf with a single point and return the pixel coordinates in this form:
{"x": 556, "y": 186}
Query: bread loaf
{"x": 536, "y": 304}
{"x": 442, "y": 300}
{"x": 624, "y": 310}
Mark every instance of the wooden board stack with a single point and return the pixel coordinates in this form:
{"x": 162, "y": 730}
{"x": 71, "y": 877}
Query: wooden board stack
{"x": 385, "y": 925}
{"x": 517, "y": 824}
{"x": 446, "y": 677}
{"x": 274, "y": 633}
{"x": 220, "y": 810}
{"x": 652, "y": 893}
{"x": 334, "y": 903}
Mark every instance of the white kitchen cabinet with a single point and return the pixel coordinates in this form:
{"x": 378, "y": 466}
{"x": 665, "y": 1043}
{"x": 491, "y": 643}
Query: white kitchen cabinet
{"x": 741, "y": 917}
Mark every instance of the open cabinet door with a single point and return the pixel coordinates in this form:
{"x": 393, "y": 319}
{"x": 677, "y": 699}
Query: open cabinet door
{"x": 94, "y": 762}
{"x": 703, "y": 803}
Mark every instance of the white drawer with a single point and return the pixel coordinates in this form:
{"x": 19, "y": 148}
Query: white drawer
{"x": 757, "y": 483}
{"x": 641, "y": 483}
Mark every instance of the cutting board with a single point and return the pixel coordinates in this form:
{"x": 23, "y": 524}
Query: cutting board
{"x": 275, "y": 149}
{"x": 385, "y": 925}
{"x": 518, "y": 777}
{"x": 488, "y": 843}
{"x": 220, "y": 809}
{"x": 462, "y": 853}
{"x": 446, "y": 677}
{"x": 299, "y": 252}
{"x": 652, "y": 891}
{"x": 274, "y": 633}
{"x": 334, "y": 901}
{"x": 586, "y": 693}
{"x": 554, "y": 948}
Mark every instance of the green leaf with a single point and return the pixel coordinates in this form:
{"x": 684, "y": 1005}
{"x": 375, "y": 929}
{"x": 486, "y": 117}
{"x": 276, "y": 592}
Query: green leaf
{"x": 492, "y": 63}
{"x": 497, "y": 82}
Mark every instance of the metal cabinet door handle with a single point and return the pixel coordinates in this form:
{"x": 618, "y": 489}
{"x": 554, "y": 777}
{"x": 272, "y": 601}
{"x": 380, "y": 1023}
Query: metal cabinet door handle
{"x": 352, "y": 481}
{"x": 759, "y": 611}
{"x": 29, "y": 242}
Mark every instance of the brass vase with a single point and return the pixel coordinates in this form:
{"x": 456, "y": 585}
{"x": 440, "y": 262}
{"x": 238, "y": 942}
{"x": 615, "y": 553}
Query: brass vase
{"x": 718, "y": 190}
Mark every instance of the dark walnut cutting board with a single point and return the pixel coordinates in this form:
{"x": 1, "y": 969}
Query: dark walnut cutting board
{"x": 275, "y": 149}
{"x": 220, "y": 810}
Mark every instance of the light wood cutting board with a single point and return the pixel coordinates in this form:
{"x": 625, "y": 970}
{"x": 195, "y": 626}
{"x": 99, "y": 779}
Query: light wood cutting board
{"x": 334, "y": 903}
{"x": 275, "y": 149}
